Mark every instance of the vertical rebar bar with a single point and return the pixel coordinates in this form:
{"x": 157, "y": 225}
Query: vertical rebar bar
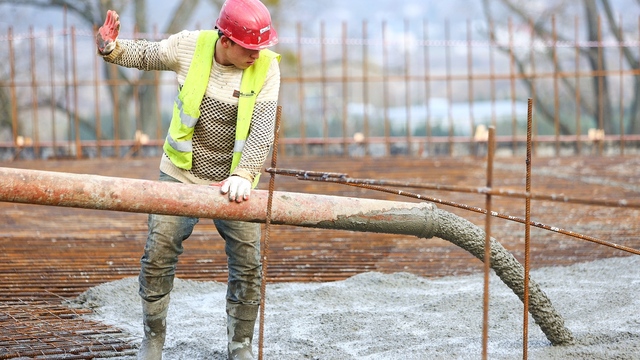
{"x": 34, "y": 94}
{"x": 601, "y": 94}
{"x": 345, "y": 90}
{"x": 492, "y": 73}
{"x": 365, "y": 88}
{"x": 447, "y": 54}
{"x": 385, "y": 89}
{"x": 67, "y": 91}
{"x": 407, "y": 86}
{"x": 137, "y": 113}
{"x": 532, "y": 57}
{"x": 556, "y": 91}
{"x": 527, "y": 235}
{"x": 52, "y": 104}
{"x": 577, "y": 80}
{"x": 512, "y": 82}
{"x": 473, "y": 149}
{"x": 74, "y": 74}
{"x": 115, "y": 82}
{"x": 621, "y": 96}
{"x": 301, "y": 93}
{"x": 427, "y": 85}
{"x": 96, "y": 105}
{"x": 12, "y": 85}
{"x": 323, "y": 89}
{"x": 156, "y": 86}
{"x": 487, "y": 242}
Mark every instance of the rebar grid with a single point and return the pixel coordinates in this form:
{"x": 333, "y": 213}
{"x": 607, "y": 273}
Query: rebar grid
{"x": 43, "y": 330}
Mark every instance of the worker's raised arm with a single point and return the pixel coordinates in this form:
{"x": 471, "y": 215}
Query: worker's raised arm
{"x": 108, "y": 33}
{"x": 140, "y": 54}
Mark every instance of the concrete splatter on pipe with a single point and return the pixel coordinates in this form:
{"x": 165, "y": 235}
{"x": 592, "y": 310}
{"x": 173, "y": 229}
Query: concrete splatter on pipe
{"x": 423, "y": 220}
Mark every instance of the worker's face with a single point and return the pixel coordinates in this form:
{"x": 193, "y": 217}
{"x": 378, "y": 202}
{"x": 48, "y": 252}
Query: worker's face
{"x": 238, "y": 56}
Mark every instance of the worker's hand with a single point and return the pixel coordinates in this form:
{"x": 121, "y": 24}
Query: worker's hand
{"x": 238, "y": 188}
{"x": 108, "y": 33}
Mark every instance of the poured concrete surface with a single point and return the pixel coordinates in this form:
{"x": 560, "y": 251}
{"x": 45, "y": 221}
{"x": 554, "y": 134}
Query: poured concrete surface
{"x": 49, "y": 254}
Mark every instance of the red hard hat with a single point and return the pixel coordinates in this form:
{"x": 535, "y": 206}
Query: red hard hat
{"x": 247, "y": 23}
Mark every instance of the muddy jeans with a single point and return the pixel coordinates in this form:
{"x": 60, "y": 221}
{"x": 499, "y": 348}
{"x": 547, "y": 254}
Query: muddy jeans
{"x": 164, "y": 245}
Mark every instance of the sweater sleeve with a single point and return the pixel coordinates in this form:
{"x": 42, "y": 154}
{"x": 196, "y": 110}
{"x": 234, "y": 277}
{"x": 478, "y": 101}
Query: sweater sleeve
{"x": 139, "y": 54}
{"x": 173, "y": 53}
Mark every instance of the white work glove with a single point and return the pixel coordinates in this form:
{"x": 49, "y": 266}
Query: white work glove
{"x": 238, "y": 188}
{"x": 108, "y": 33}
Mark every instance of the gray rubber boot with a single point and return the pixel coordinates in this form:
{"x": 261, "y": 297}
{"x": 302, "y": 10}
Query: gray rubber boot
{"x": 155, "y": 328}
{"x": 241, "y": 320}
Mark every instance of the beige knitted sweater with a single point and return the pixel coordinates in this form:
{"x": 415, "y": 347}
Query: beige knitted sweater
{"x": 214, "y": 134}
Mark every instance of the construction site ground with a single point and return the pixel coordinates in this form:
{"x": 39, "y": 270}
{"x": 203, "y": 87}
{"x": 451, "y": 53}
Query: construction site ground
{"x": 52, "y": 254}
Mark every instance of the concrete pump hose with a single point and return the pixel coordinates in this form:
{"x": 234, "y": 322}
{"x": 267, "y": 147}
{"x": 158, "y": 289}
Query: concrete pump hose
{"x": 470, "y": 237}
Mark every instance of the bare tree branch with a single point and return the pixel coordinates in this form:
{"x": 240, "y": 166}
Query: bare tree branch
{"x": 598, "y": 63}
{"x": 600, "y": 108}
{"x": 544, "y": 108}
{"x": 616, "y": 29}
{"x": 91, "y": 11}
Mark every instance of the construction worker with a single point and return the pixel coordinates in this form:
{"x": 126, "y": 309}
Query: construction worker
{"x": 221, "y": 131}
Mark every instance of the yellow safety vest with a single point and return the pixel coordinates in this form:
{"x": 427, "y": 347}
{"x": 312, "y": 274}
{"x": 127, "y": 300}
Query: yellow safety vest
{"x": 186, "y": 109}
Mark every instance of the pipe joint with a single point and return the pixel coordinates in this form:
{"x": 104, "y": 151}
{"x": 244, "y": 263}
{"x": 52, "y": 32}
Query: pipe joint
{"x": 430, "y": 223}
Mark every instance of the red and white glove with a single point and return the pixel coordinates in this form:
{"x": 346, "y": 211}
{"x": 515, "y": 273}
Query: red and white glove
{"x": 238, "y": 188}
{"x": 108, "y": 33}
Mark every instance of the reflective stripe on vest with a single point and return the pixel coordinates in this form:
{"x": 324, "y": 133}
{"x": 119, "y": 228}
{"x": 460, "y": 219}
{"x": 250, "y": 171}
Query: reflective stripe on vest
{"x": 186, "y": 110}
{"x": 189, "y": 122}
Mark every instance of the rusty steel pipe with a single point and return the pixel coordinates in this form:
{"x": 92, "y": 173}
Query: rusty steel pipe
{"x": 420, "y": 219}
{"x": 145, "y": 196}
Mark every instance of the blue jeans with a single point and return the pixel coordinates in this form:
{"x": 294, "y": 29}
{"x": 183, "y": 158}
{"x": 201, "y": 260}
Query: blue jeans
{"x": 164, "y": 245}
